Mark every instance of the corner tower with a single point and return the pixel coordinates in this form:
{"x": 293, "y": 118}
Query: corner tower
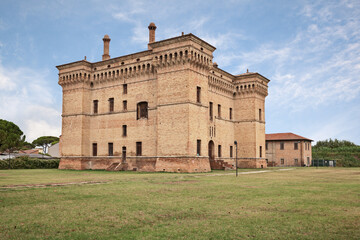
{"x": 249, "y": 128}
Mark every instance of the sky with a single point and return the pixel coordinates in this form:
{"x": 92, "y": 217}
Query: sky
{"x": 310, "y": 50}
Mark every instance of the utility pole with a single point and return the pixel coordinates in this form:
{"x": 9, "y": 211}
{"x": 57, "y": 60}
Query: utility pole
{"x": 235, "y": 142}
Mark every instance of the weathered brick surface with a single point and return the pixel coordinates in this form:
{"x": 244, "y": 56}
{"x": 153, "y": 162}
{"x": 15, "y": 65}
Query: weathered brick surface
{"x": 303, "y": 154}
{"x": 166, "y": 76}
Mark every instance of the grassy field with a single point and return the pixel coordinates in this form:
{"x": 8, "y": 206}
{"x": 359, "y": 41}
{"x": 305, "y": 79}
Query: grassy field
{"x": 301, "y": 203}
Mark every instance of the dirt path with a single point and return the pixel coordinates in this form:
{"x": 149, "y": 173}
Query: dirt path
{"x": 43, "y": 185}
{"x": 251, "y": 172}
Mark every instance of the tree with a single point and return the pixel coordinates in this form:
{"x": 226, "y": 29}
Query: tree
{"x": 11, "y": 137}
{"x": 45, "y": 142}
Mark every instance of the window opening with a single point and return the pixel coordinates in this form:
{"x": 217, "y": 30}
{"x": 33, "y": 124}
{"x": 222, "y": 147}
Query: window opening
{"x": 110, "y": 147}
{"x": 96, "y": 104}
{"x": 138, "y": 149}
{"x": 142, "y": 110}
{"x": 94, "y": 145}
{"x": 124, "y": 130}
{"x": 198, "y": 147}
{"x": 111, "y": 104}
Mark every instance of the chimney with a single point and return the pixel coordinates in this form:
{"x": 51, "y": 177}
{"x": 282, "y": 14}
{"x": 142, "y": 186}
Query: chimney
{"x": 152, "y": 29}
{"x": 106, "y": 55}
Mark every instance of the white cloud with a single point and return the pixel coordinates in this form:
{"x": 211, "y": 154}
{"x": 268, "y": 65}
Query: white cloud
{"x": 27, "y": 100}
{"x": 319, "y": 66}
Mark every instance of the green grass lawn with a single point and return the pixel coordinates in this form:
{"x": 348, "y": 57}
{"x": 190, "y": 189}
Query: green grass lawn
{"x": 303, "y": 203}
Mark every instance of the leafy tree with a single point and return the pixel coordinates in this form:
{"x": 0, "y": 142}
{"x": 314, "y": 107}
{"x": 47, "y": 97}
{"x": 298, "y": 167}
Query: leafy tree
{"x": 45, "y": 142}
{"x": 11, "y": 137}
{"x": 26, "y": 145}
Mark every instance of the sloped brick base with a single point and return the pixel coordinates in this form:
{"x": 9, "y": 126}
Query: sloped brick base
{"x": 252, "y": 163}
{"x": 144, "y": 164}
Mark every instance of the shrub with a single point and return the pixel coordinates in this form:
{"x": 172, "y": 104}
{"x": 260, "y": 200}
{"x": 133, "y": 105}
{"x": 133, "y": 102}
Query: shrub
{"x": 24, "y": 162}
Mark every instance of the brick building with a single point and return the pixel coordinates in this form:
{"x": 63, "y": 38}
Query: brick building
{"x": 287, "y": 149}
{"x": 169, "y": 108}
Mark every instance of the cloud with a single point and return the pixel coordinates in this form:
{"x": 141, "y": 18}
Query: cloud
{"x": 27, "y": 100}
{"x": 319, "y": 66}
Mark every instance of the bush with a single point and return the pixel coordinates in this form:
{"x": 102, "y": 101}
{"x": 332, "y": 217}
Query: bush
{"x": 25, "y": 162}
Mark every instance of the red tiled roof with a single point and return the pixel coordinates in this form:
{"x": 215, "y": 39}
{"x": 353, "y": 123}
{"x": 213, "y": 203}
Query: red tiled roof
{"x": 284, "y": 137}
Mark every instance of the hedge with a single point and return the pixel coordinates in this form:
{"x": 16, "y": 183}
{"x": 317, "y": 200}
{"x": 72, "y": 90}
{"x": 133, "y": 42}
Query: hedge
{"x": 25, "y": 162}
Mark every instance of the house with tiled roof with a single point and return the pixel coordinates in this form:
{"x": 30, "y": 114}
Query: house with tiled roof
{"x": 287, "y": 150}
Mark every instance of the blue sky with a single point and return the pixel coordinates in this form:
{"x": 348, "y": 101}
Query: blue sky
{"x": 310, "y": 50}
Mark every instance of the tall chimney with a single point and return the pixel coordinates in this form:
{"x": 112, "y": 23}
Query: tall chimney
{"x": 106, "y": 40}
{"x": 152, "y": 29}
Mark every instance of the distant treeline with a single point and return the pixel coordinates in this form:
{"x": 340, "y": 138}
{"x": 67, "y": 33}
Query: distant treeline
{"x": 330, "y": 143}
{"x": 346, "y": 153}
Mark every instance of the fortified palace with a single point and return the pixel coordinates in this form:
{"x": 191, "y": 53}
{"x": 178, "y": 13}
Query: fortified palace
{"x": 169, "y": 108}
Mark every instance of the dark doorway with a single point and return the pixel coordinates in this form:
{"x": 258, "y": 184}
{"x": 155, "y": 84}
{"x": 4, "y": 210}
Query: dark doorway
{"x": 211, "y": 151}
{"x": 124, "y": 154}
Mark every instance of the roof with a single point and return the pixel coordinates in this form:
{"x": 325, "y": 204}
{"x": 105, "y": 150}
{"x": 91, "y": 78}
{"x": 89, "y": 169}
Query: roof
{"x": 284, "y": 137}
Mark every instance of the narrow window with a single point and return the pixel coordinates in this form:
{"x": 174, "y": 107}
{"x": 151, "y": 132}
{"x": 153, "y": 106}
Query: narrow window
{"x": 267, "y": 160}
{"x": 219, "y": 110}
{"x": 295, "y": 161}
{"x": 124, "y": 130}
{"x": 123, "y": 154}
{"x": 125, "y": 105}
{"x": 281, "y": 146}
{"x": 211, "y": 110}
{"x": 138, "y": 149}
{"x": 296, "y": 147}
{"x": 260, "y": 117}
{"x": 142, "y": 110}
{"x": 125, "y": 89}
{"x": 198, "y": 147}
{"x": 198, "y": 94}
{"x": 260, "y": 151}
{"x": 308, "y": 161}
{"x": 282, "y": 161}
{"x": 230, "y": 113}
{"x": 219, "y": 150}
{"x": 110, "y": 149}
{"x": 111, "y": 104}
{"x": 96, "y": 104}
{"x": 94, "y": 149}
{"x": 266, "y": 146}
{"x": 231, "y": 151}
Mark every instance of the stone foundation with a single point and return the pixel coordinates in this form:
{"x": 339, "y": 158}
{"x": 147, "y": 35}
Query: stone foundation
{"x": 143, "y": 164}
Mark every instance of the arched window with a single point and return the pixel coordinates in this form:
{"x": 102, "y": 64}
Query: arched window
{"x": 142, "y": 110}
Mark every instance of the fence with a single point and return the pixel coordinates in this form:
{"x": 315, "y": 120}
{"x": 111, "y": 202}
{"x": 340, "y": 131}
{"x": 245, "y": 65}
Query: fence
{"x": 323, "y": 163}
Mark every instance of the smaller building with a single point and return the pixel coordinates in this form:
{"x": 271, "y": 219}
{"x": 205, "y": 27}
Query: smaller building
{"x": 287, "y": 150}
{"x": 54, "y": 150}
